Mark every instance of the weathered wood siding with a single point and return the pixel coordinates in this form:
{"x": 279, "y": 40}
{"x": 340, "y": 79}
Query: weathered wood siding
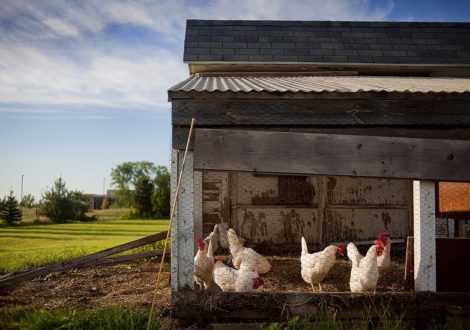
{"x": 215, "y": 199}
{"x": 280, "y": 209}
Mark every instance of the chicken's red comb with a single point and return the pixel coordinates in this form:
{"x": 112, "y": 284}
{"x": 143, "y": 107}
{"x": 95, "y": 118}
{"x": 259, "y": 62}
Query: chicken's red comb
{"x": 257, "y": 282}
{"x": 383, "y": 235}
{"x": 341, "y": 247}
{"x": 379, "y": 243}
{"x": 200, "y": 244}
{"x": 273, "y": 268}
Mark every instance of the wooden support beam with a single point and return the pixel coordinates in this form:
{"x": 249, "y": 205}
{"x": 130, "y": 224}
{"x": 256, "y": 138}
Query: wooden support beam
{"x": 69, "y": 264}
{"x": 180, "y": 133}
{"x": 423, "y": 308}
{"x": 424, "y": 209}
{"x": 329, "y": 154}
{"x": 288, "y": 112}
{"x": 182, "y": 228}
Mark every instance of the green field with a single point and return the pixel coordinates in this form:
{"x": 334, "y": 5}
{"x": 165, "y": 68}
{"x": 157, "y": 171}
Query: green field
{"x": 27, "y": 246}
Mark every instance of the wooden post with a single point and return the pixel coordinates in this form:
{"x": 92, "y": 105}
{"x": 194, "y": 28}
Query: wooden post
{"x": 182, "y": 229}
{"x": 424, "y": 235}
{"x": 409, "y": 262}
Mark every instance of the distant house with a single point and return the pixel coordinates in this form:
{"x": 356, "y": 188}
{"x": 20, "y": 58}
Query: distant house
{"x": 329, "y": 130}
{"x": 95, "y": 201}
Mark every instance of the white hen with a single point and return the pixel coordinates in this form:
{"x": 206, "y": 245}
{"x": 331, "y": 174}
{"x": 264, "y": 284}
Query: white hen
{"x": 364, "y": 271}
{"x": 213, "y": 238}
{"x": 236, "y": 280}
{"x": 203, "y": 264}
{"x": 384, "y": 261}
{"x": 315, "y": 266}
{"x": 252, "y": 259}
{"x": 223, "y": 238}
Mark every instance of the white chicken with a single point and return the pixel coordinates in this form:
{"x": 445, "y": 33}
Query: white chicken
{"x": 203, "y": 264}
{"x": 364, "y": 271}
{"x": 384, "y": 261}
{"x": 253, "y": 260}
{"x": 236, "y": 280}
{"x": 213, "y": 238}
{"x": 315, "y": 266}
{"x": 223, "y": 238}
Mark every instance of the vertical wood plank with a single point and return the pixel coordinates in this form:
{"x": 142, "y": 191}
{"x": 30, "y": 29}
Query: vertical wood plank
{"x": 409, "y": 265}
{"x": 424, "y": 235}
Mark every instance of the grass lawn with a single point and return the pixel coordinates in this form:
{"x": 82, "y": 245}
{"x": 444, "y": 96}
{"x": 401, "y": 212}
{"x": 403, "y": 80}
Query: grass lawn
{"x": 27, "y": 246}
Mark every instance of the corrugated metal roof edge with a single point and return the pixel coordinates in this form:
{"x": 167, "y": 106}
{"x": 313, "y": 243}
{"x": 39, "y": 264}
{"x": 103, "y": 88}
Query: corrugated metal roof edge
{"x": 176, "y": 89}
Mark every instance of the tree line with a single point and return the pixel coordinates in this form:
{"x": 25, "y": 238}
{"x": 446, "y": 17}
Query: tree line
{"x": 142, "y": 186}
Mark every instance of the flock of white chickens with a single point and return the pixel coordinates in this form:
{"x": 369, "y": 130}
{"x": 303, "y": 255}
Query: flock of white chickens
{"x": 248, "y": 264}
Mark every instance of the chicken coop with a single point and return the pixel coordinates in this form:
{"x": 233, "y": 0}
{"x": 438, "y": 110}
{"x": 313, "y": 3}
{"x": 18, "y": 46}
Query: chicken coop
{"x": 331, "y": 131}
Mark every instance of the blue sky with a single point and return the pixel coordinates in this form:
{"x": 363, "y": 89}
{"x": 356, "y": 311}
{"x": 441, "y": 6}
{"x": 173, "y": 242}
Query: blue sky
{"x": 83, "y": 84}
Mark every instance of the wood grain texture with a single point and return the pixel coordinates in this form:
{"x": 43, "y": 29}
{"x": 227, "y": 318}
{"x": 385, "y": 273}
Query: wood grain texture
{"x": 422, "y": 132}
{"x": 329, "y": 154}
{"x": 407, "y": 112}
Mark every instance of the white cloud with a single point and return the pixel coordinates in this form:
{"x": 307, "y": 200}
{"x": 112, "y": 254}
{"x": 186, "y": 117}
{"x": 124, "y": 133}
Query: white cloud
{"x": 86, "y": 69}
{"x": 61, "y": 28}
{"x": 30, "y": 75}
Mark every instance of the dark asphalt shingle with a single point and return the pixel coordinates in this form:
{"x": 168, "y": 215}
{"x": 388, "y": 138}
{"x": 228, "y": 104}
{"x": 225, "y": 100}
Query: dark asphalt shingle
{"x": 327, "y": 41}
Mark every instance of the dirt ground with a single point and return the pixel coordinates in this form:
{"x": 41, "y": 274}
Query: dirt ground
{"x": 132, "y": 284}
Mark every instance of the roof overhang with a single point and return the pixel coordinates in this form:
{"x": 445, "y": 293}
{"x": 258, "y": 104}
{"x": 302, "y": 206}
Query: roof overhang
{"x": 434, "y": 70}
{"x": 311, "y": 85}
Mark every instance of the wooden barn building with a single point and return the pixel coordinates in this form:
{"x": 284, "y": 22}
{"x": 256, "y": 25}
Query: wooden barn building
{"x": 333, "y": 131}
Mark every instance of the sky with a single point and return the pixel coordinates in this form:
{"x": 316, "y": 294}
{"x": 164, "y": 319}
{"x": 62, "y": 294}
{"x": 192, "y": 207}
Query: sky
{"x": 83, "y": 84}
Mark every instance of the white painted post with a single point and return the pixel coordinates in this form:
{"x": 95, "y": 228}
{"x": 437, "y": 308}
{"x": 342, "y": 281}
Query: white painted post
{"x": 182, "y": 229}
{"x": 424, "y": 235}
{"x": 197, "y": 204}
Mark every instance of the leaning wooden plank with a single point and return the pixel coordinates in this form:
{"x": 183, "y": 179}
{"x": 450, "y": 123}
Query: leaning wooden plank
{"x": 409, "y": 262}
{"x": 123, "y": 258}
{"x": 81, "y": 260}
{"x": 332, "y": 154}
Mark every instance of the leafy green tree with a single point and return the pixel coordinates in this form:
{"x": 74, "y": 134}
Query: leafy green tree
{"x": 60, "y": 205}
{"x": 124, "y": 178}
{"x": 28, "y": 201}
{"x": 161, "y": 195}
{"x": 10, "y": 212}
{"x": 143, "y": 196}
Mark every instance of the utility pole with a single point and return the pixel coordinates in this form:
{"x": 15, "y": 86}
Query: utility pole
{"x": 104, "y": 184}
{"x": 21, "y": 195}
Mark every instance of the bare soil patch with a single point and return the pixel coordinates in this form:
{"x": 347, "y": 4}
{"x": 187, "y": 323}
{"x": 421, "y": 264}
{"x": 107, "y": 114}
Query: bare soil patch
{"x": 132, "y": 284}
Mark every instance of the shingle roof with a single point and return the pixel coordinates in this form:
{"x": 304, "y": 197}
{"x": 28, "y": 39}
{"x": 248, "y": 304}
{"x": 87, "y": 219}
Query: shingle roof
{"x": 327, "y": 42}
{"x": 310, "y": 84}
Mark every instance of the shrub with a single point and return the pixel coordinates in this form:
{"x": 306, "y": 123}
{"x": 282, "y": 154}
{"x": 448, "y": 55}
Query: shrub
{"x": 10, "y": 211}
{"x": 60, "y": 205}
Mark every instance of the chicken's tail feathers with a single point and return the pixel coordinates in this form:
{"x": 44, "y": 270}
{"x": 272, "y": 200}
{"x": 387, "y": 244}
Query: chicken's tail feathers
{"x": 210, "y": 251}
{"x": 304, "y": 246}
{"x": 233, "y": 241}
{"x": 353, "y": 253}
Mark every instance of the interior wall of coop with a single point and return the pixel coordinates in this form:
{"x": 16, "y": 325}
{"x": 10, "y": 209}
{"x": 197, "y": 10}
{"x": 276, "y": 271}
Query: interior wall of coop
{"x": 278, "y": 210}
